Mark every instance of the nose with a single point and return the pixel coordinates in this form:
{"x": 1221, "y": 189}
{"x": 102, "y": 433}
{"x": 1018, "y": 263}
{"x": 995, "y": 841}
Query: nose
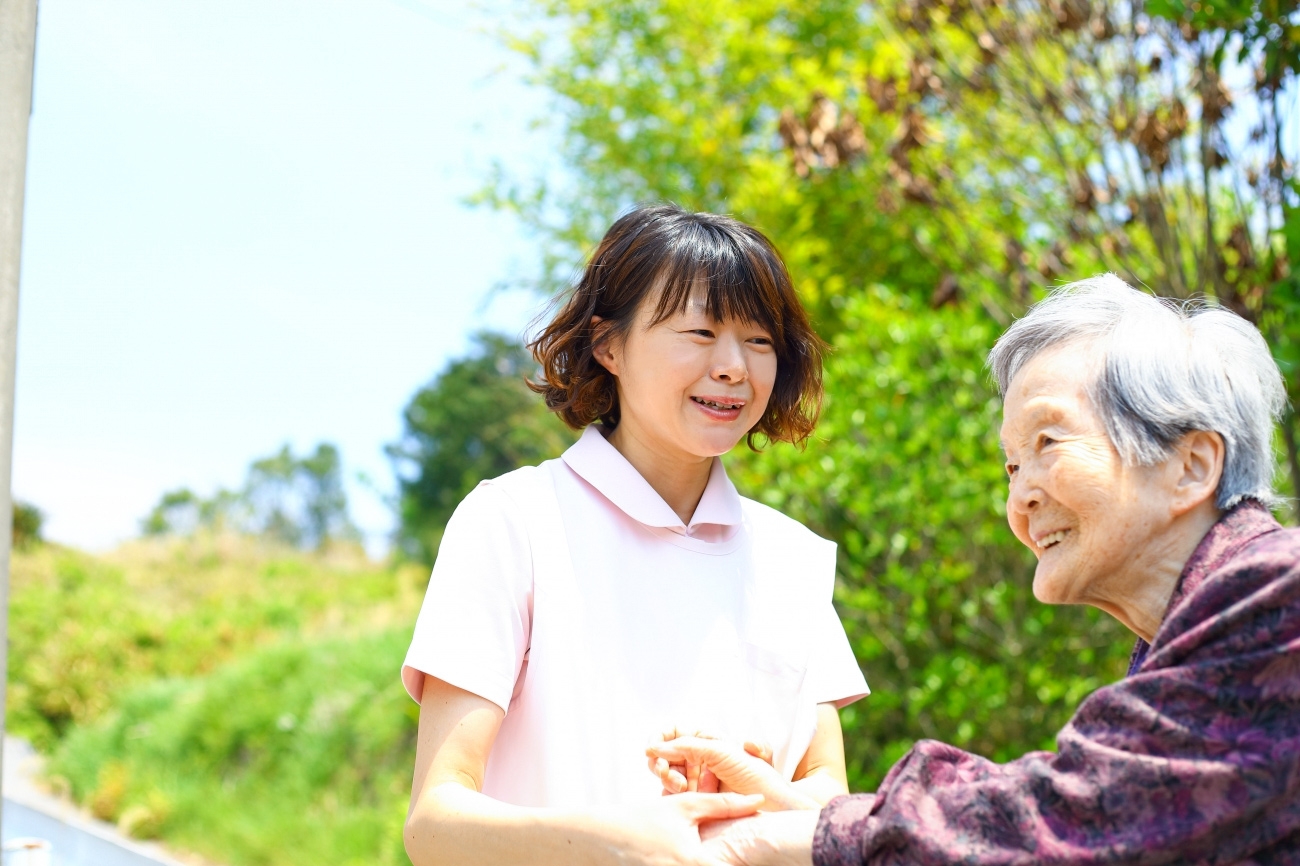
{"x": 1023, "y": 494}
{"x": 729, "y": 362}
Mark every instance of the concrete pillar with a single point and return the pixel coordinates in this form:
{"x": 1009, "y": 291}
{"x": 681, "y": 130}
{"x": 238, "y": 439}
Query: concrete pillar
{"x": 17, "y": 51}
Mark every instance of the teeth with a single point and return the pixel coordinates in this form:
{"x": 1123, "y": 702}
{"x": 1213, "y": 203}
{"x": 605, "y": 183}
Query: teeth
{"x": 716, "y": 405}
{"x": 1055, "y": 538}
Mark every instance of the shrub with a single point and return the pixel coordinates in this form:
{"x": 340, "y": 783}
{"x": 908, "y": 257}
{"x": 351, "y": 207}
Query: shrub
{"x": 83, "y": 629}
{"x": 299, "y": 753}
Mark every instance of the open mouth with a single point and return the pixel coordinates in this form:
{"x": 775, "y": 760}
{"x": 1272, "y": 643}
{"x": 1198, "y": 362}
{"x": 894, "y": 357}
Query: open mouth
{"x": 1052, "y": 539}
{"x": 718, "y": 405}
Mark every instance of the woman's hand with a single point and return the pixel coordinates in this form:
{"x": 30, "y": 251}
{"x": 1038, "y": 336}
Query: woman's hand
{"x": 769, "y": 839}
{"x": 679, "y": 777}
{"x": 669, "y": 832}
{"x": 735, "y": 768}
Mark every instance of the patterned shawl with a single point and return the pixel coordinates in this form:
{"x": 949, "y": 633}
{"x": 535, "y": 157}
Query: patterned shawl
{"x": 1194, "y": 757}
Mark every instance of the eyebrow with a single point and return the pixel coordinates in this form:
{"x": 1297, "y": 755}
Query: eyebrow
{"x": 1039, "y": 415}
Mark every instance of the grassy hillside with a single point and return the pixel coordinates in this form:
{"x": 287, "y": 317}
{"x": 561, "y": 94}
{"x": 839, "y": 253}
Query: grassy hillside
{"x": 231, "y": 697}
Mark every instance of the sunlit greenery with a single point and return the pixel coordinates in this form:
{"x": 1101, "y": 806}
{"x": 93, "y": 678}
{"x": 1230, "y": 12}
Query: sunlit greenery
{"x": 476, "y": 419}
{"x": 234, "y": 696}
{"x": 297, "y": 753}
{"x": 291, "y": 499}
{"x": 28, "y": 521}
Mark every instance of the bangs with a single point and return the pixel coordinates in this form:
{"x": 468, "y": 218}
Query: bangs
{"x": 738, "y": 277}
{"x": 662, "y": 258}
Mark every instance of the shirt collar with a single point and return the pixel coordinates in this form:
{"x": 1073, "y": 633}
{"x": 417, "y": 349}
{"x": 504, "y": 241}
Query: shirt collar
{"x": 601, "y": 466}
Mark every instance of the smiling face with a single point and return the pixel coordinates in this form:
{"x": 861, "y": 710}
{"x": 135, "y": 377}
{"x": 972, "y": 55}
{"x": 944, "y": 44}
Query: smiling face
{"x": 1096, "y": 525}
{"x": 689, "y": 387}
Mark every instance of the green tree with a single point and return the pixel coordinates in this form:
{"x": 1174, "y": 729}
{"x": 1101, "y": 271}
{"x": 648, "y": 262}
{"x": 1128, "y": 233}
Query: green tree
{"x": 1160, "y": 146}
{"x": 928, "y": 167}
{"x": 297, "y": 500}
{"x": 27, "y": 524}
{"x": 477, "y": 419}
{"x": 667, "y": 99}
{"x": 178, "y": 512}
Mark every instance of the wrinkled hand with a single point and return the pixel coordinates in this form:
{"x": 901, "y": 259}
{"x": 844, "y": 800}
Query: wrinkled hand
{"x": 734, "y": 767}
{"x": 679, "y": 776}
{"x": 767, "y": 839}
{"x": 669, "y": 831}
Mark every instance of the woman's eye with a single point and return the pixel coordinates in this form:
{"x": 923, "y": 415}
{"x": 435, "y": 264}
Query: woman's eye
{"x": 761, "y": 341}
{"x": 1012, "y": 469}
{"x": 1044, "y": 440}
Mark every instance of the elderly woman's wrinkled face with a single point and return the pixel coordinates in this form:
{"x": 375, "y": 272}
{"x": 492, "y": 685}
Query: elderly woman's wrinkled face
{"x": 1071, "y": 500}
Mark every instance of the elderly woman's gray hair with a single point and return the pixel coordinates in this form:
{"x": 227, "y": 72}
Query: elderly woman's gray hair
{"x": 1164, "y": 368}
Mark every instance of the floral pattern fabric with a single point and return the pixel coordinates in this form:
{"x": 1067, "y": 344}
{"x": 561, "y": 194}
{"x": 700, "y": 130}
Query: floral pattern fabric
{"x": 1193, "y": 758}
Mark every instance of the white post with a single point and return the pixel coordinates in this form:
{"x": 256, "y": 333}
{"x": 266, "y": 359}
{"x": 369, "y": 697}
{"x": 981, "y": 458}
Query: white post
{"x": 17, "y": 51}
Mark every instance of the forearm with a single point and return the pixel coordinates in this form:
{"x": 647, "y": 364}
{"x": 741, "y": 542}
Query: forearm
{"x": 453, "y": 824}
{"x": 457, "y": 825}
{"x": 819, "y": 787}
{"x": 821, "y": 775}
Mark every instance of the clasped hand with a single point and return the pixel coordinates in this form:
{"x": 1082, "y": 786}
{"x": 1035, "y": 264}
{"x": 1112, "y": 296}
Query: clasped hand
{"x": 687, "y": 761}
{"x": 695, "y": 761}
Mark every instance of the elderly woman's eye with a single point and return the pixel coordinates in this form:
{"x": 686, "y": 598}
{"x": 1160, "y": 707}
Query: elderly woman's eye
{"x": 1012, "y": 468}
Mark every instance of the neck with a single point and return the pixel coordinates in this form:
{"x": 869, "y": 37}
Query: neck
{"x": 1143, "y": 597}
{"x": 678, "y": 479}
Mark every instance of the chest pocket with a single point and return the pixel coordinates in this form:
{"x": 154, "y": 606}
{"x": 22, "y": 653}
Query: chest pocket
{"x": 777, "y": 703}
{"x": 790, "y": 580}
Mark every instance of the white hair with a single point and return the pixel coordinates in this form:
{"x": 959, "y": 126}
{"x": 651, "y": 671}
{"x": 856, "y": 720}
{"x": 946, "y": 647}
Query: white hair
{"x": 1164, "y": 369}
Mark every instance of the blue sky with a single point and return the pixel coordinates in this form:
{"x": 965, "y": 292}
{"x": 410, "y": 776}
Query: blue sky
{"x": 243, "y": 228}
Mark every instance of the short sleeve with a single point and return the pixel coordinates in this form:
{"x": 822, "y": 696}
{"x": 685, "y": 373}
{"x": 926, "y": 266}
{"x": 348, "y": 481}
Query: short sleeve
{"x": 473, "y": 627}
{"x": 832, "y": 670}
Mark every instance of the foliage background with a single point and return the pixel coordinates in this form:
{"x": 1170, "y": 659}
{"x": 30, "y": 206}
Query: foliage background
{"x": 228, "y": 693}
{"x": 929, "y": 168}
{"x": 475, "y": 420}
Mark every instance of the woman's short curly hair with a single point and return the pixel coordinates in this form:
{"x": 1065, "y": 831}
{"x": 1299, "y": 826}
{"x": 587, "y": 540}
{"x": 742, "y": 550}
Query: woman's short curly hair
{"x": 665, "y": 249}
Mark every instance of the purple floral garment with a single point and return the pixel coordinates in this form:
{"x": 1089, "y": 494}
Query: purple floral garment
{"x": 1192, "y": 758}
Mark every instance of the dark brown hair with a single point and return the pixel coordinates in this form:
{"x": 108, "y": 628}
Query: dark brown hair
{"x": 743, "y": 278}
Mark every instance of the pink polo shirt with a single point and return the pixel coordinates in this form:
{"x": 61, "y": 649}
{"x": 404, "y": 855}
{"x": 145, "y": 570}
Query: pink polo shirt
{"x": 573, "y": 597}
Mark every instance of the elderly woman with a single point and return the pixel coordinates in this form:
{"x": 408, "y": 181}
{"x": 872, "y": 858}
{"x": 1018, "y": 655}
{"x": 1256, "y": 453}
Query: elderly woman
{"x": 1138, "y": 437}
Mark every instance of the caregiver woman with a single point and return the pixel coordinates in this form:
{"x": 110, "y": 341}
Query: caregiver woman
{"x": 582, "y": 607}
{"x": 1139, "y": 453}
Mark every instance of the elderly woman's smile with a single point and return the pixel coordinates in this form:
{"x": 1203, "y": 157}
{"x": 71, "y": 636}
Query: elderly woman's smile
{"x": 1102, "y": 529}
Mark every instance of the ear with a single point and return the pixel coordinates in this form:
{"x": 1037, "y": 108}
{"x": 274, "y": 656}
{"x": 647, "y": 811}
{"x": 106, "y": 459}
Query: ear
{"x": 1198, "y": 463}
{"x": 603, "y": 349}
